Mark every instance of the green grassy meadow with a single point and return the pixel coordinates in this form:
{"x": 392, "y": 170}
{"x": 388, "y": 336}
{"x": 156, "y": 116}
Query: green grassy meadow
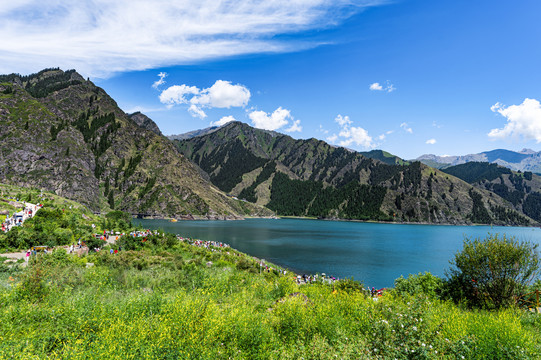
{"x": 171, "y": 303}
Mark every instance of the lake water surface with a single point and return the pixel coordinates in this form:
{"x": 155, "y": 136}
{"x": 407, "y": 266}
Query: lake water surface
{"x": 375, "y": 254}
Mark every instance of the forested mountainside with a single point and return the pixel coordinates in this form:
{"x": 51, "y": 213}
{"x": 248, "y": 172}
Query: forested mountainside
{"x": 313, "y": 178}
{"x": 522, "y": 189}
{"x": 524, "y": 160}
{"x": 62, "y": 133}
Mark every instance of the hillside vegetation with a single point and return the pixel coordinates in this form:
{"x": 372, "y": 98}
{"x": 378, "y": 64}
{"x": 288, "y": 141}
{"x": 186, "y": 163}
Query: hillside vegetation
{"x": 522, "y": 190}
{"x": 167, "y": 299}
{"x": 313, "y": 178}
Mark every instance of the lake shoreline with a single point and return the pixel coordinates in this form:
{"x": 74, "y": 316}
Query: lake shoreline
{"x": 230, "y": 218}
{"x": 372, "y": 252}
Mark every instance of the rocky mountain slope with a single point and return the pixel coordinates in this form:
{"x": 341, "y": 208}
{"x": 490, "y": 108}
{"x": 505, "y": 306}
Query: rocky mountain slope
{"x": 313, "y": 178}
{"x": 525, "y": 160}
{"x": 145, "y": 122}
{"x": 60, "y": 132}
{"x": 522, "y": 189}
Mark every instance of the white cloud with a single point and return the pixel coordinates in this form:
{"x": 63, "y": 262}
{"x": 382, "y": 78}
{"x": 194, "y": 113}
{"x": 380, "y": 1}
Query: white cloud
{"x": 161, "y": 81}
{"x": 431, "y": 141}
{"x": 343, "y": 120}
{"x": 224, "y": 120}
{"x": 196, "y": 111}
{"x": 350, "y": 134}
{"x": 101, "y": 37}
{"x": 406, "y": 128}
{"x": 295, "y": 127}
{"x": 278, "y": 118}
{"x": 383, "y": 136}
{"x": 332, "y": 138}
{"x": 357, "y": 136}
{"x": 523, "y": 121}
{"x": 222, "y": 94}
{"x": 176, "y": 94}
{"x": 322, "y": 130}
{"x": 378, "y": 87}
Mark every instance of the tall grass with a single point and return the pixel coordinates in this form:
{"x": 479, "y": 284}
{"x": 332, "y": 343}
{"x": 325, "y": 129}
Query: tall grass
{"x": 168, "y": 304}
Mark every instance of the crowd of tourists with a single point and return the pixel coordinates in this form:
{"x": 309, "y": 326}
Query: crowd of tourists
{"x": 144, "y": 233}
{"x": 18, "y": 218}
{"x": 203, "y": 243}
{"x": 310, "y": 279}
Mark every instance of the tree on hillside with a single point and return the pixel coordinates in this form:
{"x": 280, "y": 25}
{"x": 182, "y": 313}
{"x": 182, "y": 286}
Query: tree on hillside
{"x": 490, "y": 272}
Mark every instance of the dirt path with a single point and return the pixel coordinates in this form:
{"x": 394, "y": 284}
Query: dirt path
{"x": 14, "y": 256}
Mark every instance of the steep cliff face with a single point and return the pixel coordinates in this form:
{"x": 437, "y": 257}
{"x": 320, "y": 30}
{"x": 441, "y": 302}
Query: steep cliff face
{"x": 62, "y": 133}
{"x": 311, "y": 177}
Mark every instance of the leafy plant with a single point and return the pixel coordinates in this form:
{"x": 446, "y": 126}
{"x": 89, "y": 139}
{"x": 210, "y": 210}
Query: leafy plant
{"x": 422, "y": 283}
{"x": 491, "y": 272}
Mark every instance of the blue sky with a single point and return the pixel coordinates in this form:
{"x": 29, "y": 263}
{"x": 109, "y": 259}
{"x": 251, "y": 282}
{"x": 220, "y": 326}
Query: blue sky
{"x": 407, "y": 76}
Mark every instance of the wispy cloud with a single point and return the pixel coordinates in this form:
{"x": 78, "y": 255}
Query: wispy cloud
{"x": 406, "y": 128}
{"x": 383, "y": 136}
{"x": 161, "y": 81}
{"x": 431, "y": 141}
{"x": 388, "y": 87}
{"x": 101, "y": 37}
{"x": 322, "y": 129}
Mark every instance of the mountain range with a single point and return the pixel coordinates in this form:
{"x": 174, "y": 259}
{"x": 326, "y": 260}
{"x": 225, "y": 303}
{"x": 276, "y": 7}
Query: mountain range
{"x": 62, "y": 133}
{"x": 524, "y": 160}
{"x": 312, "y": 178}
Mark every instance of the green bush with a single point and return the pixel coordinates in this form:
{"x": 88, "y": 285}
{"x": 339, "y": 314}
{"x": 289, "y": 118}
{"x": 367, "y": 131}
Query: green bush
{"x": 32, "y": 286}
{"x": 348, "y": 285}
{"x": 492, "y": 272}
{"x": 422, "y": 283}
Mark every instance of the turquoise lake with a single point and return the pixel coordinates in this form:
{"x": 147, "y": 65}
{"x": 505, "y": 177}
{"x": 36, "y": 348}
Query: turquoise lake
{"x": 375, "y": 254}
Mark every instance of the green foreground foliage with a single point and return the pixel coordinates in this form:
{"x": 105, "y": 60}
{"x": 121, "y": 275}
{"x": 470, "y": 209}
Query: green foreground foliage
{"x": 59, "y": 222}
{"x": 492, "y": 272}
{"x": 167, "y": 299}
